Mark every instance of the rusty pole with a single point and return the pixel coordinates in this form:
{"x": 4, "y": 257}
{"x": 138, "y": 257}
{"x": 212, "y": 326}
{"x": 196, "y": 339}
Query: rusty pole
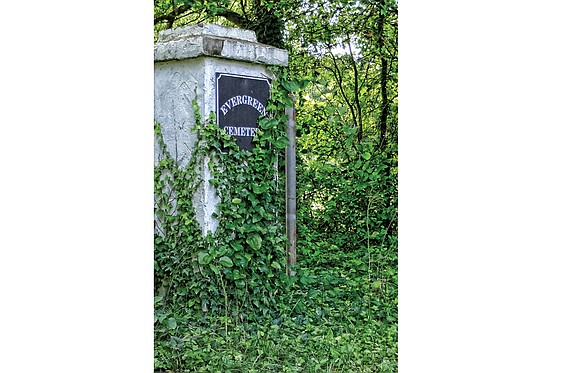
{"x": 291, "y": 191}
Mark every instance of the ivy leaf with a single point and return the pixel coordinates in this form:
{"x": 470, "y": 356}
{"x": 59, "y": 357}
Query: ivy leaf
{"x": 237, "y": 247}
{"x": 291, "y": 85}
{"x": 255, "y": 241}
{"x": 236, "y": 201}
{"x": 282, "y": 142}
{"x": 260, "y": 188}
{"x": 241, "y": 261}
{"x": 203, "y": 258}
{"x": 267, "y": 123}
{"x": 276, "y": 265}
{"x": 171, "y": 323}
{"x": 214, "y": 269}
{"x": 226, "y": 261}
{"x": 366, "y": 155}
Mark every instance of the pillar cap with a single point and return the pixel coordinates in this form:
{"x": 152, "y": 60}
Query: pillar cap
{"x": 216, "y": 41}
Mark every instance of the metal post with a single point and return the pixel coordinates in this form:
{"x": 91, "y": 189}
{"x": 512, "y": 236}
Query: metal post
{"x": 291, "y": 191}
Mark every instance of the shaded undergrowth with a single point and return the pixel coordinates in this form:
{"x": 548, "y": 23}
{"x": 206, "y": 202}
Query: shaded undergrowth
{"x": 336, "y": 319}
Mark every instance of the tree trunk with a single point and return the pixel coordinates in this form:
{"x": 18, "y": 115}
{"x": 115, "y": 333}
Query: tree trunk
{"x": 384, "y": 77}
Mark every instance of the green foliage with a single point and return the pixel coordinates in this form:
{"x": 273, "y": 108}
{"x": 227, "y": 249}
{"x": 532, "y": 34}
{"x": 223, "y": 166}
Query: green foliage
{"x": 236, "y": 274}
{"x": 223, "y": 302}
{"x": 288, "y": 348}
{"x": 349, "y": 202}
{"x": 264, "y": 17}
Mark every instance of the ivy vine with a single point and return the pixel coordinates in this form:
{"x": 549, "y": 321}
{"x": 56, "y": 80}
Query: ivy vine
{"x": 237, "y": 273}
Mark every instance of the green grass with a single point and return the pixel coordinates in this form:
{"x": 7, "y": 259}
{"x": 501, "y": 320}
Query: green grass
{"x": 288, "y": 348}
{"x": 337, "y": 319}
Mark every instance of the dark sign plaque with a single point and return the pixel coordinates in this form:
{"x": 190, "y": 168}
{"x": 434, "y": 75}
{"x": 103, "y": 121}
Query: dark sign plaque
{"x": 241, "y": 100}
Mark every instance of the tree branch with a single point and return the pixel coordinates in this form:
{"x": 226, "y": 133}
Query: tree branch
{"x": 338, "y": 78}
{"x": 356, "y": 93}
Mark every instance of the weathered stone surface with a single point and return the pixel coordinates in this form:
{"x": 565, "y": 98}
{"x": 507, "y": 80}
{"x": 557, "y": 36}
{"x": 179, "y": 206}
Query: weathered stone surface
{"x": 176, "y": 85}
{"x": 186, "y": 62}
{"x": 213, "y": 47}
{"x": 217, "y": 41}
{"x": 206, "y": 29}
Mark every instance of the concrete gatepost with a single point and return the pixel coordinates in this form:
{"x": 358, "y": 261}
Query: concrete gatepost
{"x": 189, "y": 65}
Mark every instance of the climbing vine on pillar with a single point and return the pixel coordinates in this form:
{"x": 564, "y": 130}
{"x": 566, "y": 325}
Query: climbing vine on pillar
{"x": 237, "y": 273}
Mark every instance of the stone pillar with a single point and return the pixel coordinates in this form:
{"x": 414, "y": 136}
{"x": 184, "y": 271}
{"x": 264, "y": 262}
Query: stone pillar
{"x": 189, "y": 65}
